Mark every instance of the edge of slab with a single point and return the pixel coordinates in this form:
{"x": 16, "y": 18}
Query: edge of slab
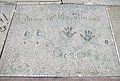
{"x": 60, "y": 79}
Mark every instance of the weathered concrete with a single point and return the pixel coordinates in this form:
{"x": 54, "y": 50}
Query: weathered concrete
{"x": 6, "y": 12}
{"x": 93, "y": 2}
{"x": 60, "y": 79}
{"x": 60, "y": 40}
{"x": 90, "y": 2}
{"x": 27, "y": 0}
{"x": 115, "y": 20}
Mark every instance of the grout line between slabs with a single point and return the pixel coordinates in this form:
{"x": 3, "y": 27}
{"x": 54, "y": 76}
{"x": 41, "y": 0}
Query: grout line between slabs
{"x": 113, "y": 35}
{"x": 8, "y": 31}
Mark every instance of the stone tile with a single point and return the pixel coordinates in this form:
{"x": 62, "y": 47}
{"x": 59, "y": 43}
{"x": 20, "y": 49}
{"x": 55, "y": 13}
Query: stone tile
{"x": 6, "y": 12}
{"x": 60, "y": 40}
{"x": 115, "y": 20}
{"x": 99, "y": 2}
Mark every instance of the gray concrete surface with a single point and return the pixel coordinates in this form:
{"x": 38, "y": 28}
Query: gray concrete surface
{"x": 27, "y": 0}
{"x": 90, "y": 2}
{"x": 60, "y": 79}
{"x": 93, "y": 2}
{"x": 60, "y": 40}
{"x": 114, "y": 12}
{"x": 6, "y": 12}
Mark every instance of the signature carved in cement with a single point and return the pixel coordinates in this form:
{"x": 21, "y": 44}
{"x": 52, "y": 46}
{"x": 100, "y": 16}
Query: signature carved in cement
{"x": 27, "y": 34}
{"x": 2, "y": 28}
{"x": 39, "y": 33}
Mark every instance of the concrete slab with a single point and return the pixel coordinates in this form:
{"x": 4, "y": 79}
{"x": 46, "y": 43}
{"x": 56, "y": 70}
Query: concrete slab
{"x": 27, "y": 0}
{"x": 60, "y": 79}
{"x": 6, "y": 12}
{"x": 91, "y": 2}
{"x": 115, "y": 20}
{"x": 60, "y": 40}
{"x": 31, "y": 2}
